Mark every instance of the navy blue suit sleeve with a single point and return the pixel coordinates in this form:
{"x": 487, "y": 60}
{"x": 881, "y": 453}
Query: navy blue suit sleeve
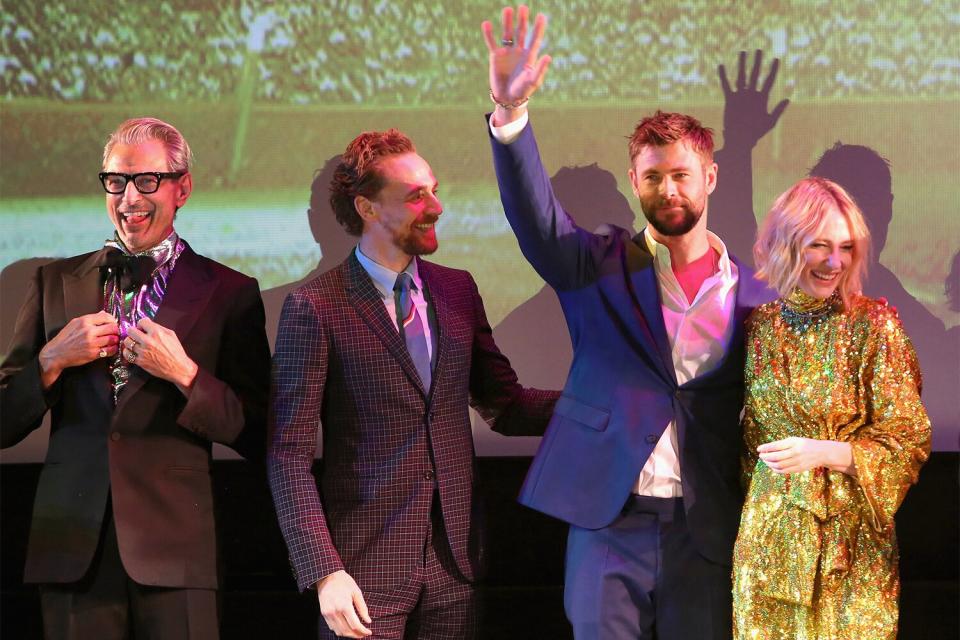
{"x": 562, "y": 253}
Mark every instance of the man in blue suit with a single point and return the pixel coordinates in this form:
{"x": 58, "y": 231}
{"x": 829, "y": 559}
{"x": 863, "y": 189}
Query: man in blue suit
{"x": 642, "y": 453}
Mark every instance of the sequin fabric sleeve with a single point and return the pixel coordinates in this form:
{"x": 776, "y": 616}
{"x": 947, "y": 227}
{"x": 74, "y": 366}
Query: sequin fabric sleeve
{"x": 816, "y": 555}
{"x": 890, "y": 449}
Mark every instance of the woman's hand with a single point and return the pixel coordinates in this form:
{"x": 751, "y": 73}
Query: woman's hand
{"x": 793, "y": 455}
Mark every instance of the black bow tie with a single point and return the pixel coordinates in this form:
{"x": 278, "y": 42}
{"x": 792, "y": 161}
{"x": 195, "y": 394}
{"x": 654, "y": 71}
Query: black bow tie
{"x": 132, "y": 271}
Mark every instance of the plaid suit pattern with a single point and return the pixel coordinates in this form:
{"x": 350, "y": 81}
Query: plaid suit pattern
{"x": 389, "y": 446}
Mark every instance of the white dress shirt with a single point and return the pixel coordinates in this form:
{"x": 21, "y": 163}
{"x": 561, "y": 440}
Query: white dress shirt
{"x": 384, "y": 279}
{"x": 698, "y": 334}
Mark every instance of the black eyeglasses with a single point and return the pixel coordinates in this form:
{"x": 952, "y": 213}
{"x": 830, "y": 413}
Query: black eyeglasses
{"x": 146, "y": 182}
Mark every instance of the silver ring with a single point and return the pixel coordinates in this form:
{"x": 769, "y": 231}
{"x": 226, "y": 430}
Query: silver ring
{"x": 103, "y": 353}
{"x": 506, "y": 42}
{"x": 131, "y": 355}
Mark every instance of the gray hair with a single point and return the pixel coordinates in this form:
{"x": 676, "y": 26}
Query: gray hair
{"x": 140, "y": 130}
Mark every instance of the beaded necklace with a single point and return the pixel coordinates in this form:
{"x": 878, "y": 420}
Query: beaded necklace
{"x": 802, "y": 312}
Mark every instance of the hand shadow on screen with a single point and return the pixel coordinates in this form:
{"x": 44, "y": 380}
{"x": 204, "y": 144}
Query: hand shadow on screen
{"x": 534, "y": 335}
{"x": 866, "y": 176}
{"x": 335, "y": 244}
{"x": 746, "y": 120}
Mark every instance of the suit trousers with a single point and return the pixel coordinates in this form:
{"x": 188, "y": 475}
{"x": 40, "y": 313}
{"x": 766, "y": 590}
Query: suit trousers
{"x": 435, "y": 602}
{"x": 641, "y": 578}
{"x": 106, "y": 604}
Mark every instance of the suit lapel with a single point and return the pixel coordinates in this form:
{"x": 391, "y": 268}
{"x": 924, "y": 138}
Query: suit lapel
{"x": 184, "y": 301}
{"x": 364, "y": 297}
{"x": 188, "y": 292}
{"x": 82, "y": 295}
{"x": 83, "y": 288}
{"x": 642, "y": 276}
{"x": 434, "y": 292}
{"x": 749, "y": 293}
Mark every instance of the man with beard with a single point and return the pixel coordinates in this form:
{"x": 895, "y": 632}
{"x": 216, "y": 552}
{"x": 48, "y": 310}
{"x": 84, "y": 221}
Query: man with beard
{"x": 642, "y": 454}
{"x": 388, "y": 351}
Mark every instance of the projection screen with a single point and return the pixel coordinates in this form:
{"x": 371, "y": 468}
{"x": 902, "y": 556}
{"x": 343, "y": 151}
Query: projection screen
{"x": 267, "y": 93}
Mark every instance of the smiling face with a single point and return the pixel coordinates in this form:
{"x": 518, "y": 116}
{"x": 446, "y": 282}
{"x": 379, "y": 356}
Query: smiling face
{"x": 400, "y": 221}
{"x": 144, "y": 220}
{"x": 672, "y": 182}
{"x": 828, "y": 257}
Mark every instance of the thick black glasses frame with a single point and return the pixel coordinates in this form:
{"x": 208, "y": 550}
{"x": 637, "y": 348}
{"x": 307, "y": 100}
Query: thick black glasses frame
{"x": 159, "y": 175}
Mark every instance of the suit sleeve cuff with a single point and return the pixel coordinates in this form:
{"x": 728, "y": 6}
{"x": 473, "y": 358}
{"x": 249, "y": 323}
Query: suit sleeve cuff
{"x": 509, "y": 132}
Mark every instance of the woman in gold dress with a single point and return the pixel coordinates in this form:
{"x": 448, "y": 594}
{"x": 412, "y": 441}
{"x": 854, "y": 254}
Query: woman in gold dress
{"x": 834, "y": 429}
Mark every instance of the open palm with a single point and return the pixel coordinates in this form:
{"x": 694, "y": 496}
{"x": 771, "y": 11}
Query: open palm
{"x": 515, "y": 70}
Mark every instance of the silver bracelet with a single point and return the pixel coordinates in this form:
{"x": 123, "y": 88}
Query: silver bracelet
{"x": 508, "y": 105}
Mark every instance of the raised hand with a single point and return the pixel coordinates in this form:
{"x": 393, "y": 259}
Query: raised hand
{"x": 342, "y": 605}
{"x": 82, "y": 340}
{"x": 515, "y": 70}
{"x": 157, "y": 350}
{"x": 745, "y": 116}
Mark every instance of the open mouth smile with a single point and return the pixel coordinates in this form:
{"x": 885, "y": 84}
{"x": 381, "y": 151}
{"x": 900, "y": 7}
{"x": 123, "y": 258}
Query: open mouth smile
{"x": 825, "y": 277}
{"x": 135, "y": 217}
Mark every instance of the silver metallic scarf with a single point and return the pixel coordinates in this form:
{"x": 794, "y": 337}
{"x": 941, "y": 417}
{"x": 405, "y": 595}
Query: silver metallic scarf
{"x": 129, "y": 307}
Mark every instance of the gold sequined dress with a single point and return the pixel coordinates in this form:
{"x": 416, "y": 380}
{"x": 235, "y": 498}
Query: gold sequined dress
{"x": 816, "y": 555}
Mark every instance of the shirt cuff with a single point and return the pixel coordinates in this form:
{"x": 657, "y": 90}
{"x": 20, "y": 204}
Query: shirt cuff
{"x": 510, "y": 131}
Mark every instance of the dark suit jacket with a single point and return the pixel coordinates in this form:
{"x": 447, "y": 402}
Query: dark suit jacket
{"x": 621, "y": 392}
{"x": 150, "y": 453}
{"x": 388, "y": 446}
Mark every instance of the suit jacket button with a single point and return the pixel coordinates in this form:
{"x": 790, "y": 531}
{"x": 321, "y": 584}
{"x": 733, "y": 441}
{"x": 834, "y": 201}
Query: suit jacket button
{"x": 651, "y": 439}
{"x": 114, "y": 436}
{"x": 428, "y": 475}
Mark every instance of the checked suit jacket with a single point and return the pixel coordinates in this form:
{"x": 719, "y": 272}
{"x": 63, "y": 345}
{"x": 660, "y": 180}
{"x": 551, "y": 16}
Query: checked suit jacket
{"x": 150, "y": 455}
{"x": 389, "y": 447}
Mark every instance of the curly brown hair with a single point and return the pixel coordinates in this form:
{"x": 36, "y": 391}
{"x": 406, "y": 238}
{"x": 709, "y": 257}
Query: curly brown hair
{"x": 357, "y": 174}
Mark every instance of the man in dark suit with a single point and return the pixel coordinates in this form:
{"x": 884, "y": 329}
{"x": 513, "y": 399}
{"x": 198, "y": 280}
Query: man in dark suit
{"x": 388, "y": 351}
{"x": 145, "y": 353}
{"x": 642, "y": 453}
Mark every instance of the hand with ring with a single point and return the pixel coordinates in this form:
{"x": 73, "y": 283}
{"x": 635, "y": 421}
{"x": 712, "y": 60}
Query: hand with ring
{"x": 128, "y": 350}
{"x": 82, "y": 340}
{"x": 516, "y": 71}
{"x": 157, "y": 350}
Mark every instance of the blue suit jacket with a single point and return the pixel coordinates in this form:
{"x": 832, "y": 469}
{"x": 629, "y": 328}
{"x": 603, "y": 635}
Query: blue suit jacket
{"x": 621, "y": 392}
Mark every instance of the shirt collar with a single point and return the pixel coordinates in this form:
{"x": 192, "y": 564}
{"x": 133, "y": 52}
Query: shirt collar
{"x": 384, "y": 277}
{"x": 661, "y": 254}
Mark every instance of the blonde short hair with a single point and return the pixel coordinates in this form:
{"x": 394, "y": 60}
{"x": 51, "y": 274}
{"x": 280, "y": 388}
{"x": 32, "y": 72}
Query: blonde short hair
{"x": 140, "y": 130}
{"x": 794, "y": 221}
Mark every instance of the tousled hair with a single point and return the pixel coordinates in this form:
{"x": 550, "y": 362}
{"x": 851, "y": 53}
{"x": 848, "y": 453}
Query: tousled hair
{"x": 794, "y": 221}
{"x": 357, "y": 173}
{"x": 140, "y": 130}
{"x": 663, "y": 128}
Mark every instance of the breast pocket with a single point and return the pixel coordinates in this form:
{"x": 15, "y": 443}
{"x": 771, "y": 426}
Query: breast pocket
{"x": 571, "y": 410}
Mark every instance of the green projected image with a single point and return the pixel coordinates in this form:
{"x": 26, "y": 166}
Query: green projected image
{"x": 268, "y": 92}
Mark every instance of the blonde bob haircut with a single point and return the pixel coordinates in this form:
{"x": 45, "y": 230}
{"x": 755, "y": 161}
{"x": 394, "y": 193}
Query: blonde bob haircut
{"x": 794, "y": 221}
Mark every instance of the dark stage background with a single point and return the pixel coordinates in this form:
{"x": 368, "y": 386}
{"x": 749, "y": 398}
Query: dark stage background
{"x": 268, "y": 93}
